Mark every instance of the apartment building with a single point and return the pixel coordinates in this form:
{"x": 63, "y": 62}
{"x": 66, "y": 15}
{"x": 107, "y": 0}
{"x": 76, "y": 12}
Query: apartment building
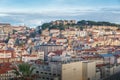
{"x": 84, "y": 70}
{"x": 5, "y": 27}
{"x": 49, "y": 47}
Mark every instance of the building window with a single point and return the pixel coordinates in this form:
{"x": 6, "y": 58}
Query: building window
{"x": 54, "y": 74}
{"x": 58, "y": 74}
{"x": 37, "y": 71}
{"x": 49, "y": 73}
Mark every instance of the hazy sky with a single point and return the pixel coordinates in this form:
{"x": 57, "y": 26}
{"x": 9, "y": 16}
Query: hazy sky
{"x": 35, "y": 12}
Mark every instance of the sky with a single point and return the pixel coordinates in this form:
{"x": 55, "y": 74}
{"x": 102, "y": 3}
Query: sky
{"x": 36, "y": 12}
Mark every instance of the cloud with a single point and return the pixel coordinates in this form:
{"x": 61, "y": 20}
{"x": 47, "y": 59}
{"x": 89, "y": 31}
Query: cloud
{"x": 34, "y": 19}
{"x": 34, "y": 22}
{"x": 111, "y": 9}
{"x": 3, "y": 14}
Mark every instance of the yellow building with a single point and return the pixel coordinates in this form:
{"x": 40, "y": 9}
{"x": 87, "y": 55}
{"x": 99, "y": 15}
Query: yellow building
{"x": 84, "y": 70}
{"x": 105, "y": 27}
{"x": 5, "y": 27}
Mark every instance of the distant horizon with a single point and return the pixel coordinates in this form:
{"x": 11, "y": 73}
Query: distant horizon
{"x": 35, "y": 12}
{"x": 50, "y": 21}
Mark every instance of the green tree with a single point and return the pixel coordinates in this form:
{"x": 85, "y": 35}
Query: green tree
{"x": 82, "y": 22}
{"x": 45, "y": 25}
{"x": 17, "y": 42}
{"x": 81, "y": 28}
{"x": 14, "y": 31}
{"x": 6, "y": 41}
{"x": 32, "y": 34}
{"x": 24, "y": 70}
{"x": 99, "y": 23}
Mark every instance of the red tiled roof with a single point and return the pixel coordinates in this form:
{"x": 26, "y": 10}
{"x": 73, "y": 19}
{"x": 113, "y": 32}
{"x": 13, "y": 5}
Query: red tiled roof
{"x": 27, "y": 55}
{"x": 59, "y": 52}
{"x": 100, "y": 65}
{"x": 89, "y": 50}
{"x": 4, "y": 67}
